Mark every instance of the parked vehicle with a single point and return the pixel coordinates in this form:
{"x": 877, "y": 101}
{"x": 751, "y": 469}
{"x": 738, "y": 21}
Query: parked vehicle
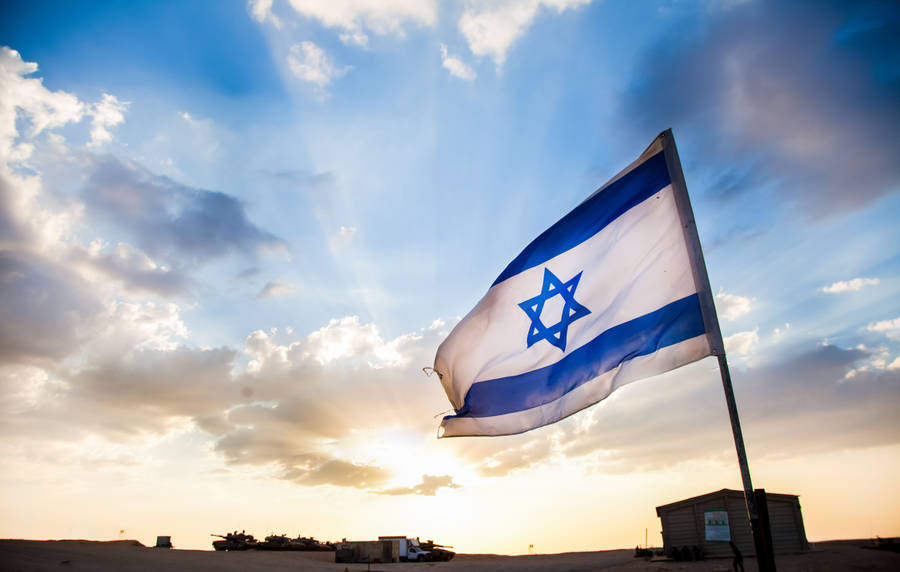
{"x": 410, "y": 551}
{"x": 438, "y": 552}
{"x": 235, "y": 541}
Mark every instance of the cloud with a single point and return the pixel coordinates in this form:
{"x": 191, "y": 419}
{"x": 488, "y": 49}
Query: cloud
{"x": 354, "y": 18}
{"x": 340, "y": 473}
{"x": 491, "y": 28}
{"x": 144, "y": 390}
{"x": 129, "y": 266}
{"x": 456, "y": 66}
{"x": 305, "y": 180}
{"x": 779, "y": 332}
{"x": 130, "y": 377}
{"x": 682, "y": 417}
{"x": 731, "y": 306}
{"x": 429, "y": 486}
{"x": 85, "y": 357}
{"x": 517, "y": 457}
{"x": 109, "y": 112}
{"x": 742, "y": 343}
{"x": 43, "y": 108}
{"x": 43, "y": 308}
{"x": 890, "y": 328}
{"x": 275, "y": 289}
{"x": 261, "y": 10}
{"x": 853, "y": 285}
{"x": 311, "y": 64}
{"x": 794, "y": 93}
{"x": 313, "y": 398}
{"x": 181, "y": 224}
{"x": 28, "y": 109}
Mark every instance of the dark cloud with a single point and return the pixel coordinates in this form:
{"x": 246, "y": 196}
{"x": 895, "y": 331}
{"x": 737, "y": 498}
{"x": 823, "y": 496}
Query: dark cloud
{"x": 177, "y": 223}
{"x": 181, "y": 382}
{"x": 732, "y": 183}
{"x": 429, "y": 486}
{"x": 802, "y": 403}
{"x": 124, "y": 396}
{"x": 341, "y": 473}
{"x": 302, "y": 179}
{"x": 13, "y": 230}
{"x": 133, "y": 269}
{"x": 802, "y": 93}
{"x": 293, "y": 454}
{"x": 43, "y": 307}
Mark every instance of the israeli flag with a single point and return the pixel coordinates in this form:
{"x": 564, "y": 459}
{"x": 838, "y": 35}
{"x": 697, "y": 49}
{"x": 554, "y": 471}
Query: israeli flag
{"x": 614, "y": 292}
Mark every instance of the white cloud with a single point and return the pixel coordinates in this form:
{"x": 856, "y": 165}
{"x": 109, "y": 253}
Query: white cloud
{"x": 347, "y": 232}
{"x": 731, "y": 306}
{"x": 261, "y": 10}
{"x": 126, "y": 327}
{"x": 355, "y": 17}
{"x": 492, "y": 27}
{"x": 107, "y": 113}
{"x": 311, "y": 64}
{"x": 779, "y": 333}
{"x": 347, "y": 338}
{"x": 894, "y": 365}
{"x": 891, "y": 328}
{"x": 275, "y": 289}
{"x": 45, "y": 109}
{"x": 27, "y": 109}
{"x": 742, "y": 343}
{"x": 850, "y": 285}
{"x": 456, "y": 66}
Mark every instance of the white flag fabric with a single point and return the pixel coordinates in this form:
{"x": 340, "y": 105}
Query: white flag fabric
{"x": 614, "y": 292}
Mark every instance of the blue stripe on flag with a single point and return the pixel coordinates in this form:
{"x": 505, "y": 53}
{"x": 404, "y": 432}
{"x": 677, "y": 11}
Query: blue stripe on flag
{"x": 591, "y": 216}
{"x": 681, "y": 320}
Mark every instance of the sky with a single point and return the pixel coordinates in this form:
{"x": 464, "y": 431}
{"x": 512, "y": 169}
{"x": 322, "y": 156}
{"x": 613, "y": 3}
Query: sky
{"x": 233, "y": 233}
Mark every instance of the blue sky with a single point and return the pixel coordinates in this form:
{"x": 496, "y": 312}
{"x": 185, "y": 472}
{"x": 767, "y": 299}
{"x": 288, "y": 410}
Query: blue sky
{"x": 213, "y": 211}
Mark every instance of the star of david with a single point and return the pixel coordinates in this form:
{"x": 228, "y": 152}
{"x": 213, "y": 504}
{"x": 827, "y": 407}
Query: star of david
{"x": 572, "y": 310}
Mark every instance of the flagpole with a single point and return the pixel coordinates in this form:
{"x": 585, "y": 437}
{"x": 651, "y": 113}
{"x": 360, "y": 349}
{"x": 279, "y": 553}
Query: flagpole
{"x": 764, "y": 557}
{"x": 738, "y": 436}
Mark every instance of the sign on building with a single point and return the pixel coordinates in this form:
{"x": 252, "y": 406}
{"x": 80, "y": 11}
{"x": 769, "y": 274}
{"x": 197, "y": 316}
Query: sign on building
{"x": 716, "y": 520}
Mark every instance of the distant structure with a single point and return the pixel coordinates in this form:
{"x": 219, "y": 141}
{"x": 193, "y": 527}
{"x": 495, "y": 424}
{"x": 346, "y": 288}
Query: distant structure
{"x": 710, "y": 521}
{"x": 163, "y": 542}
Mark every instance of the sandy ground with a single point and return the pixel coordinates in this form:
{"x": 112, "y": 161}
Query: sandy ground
{"x": 131, "y": 556}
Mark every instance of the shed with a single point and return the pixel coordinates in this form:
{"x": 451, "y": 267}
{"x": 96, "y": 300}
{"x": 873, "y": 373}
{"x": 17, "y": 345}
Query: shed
{"x": 711, "y": 520}
{"x": 380, "y": 551}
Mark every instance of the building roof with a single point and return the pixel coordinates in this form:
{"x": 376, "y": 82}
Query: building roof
{"x": 719, "y": 494}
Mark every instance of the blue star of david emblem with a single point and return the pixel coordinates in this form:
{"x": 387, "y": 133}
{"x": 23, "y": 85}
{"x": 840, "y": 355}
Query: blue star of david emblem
{"x": 572, "y": 310}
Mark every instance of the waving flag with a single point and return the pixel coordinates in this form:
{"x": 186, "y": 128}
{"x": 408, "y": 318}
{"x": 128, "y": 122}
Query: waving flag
{"x": 614, "y": 292}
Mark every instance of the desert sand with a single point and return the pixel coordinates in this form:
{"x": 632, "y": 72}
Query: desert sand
{"x": 131, "y": 556}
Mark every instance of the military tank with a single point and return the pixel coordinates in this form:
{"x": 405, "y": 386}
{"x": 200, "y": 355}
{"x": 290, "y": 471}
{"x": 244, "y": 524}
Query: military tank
{"x": 275, "y": 542}
{"x": 234, "y": 541}
{"x": 310, "y": 543}
{"x": 437, "y": 552}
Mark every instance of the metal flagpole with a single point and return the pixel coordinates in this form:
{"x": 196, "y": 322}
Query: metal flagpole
{"x": 765, "y": 558}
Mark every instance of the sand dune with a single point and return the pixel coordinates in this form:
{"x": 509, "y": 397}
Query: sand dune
{"x": 132, "y": 556}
